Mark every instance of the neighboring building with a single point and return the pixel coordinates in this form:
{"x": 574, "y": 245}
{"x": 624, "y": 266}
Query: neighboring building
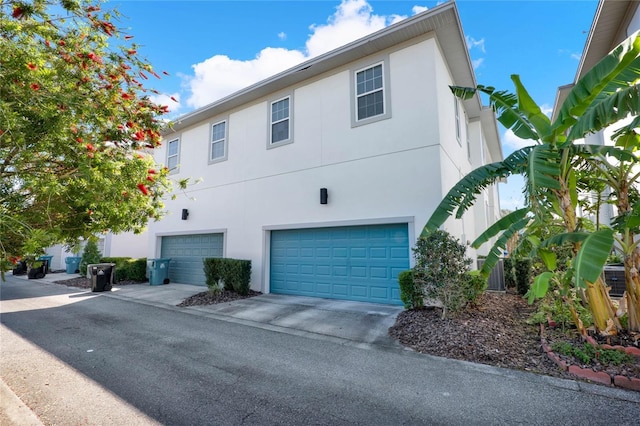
{"x": 325, "y": 174}
{"x": 614, "y": 21}
{"x": 126, "y": 244}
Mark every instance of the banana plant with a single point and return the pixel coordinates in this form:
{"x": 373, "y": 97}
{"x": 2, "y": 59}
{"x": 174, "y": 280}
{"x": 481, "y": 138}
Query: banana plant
{"x": 605, "y": 95}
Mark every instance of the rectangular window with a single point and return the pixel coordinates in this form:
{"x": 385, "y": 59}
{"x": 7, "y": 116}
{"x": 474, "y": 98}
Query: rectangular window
{"x": 280, "y": 121}
{"x": 173, "y": 154}
{"x": 457, "y": 113}
{"x": 218, "y": 149}
{"x": 369, "y": 92}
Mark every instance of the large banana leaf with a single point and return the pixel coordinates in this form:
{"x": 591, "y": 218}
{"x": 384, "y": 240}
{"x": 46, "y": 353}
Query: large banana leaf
{"x": 544, "y": 168}
{"x": 463, "y": 194}
{"x": 607, "y": 111}
{"x": 494, "y": 254}
{"x": 531, "y": 110}
{"x": 592, "y": 256}
{"x": 588, "y": 151}
{"x": 501, "y": 225}
{"x": 505, "y": 105}
{"x": 561, "y": 239}
{"x": 616, "y": 72}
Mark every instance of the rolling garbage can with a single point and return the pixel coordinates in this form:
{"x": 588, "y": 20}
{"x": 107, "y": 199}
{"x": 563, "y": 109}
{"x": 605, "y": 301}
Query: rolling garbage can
{"x": 47, "y": 262}
{"x": 102, "y": 275}
{"x": 159, "y": 271}
{"x": 73, "y": 264}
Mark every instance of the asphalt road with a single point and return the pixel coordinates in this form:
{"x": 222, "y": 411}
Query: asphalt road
{"x": 88, "y": 358}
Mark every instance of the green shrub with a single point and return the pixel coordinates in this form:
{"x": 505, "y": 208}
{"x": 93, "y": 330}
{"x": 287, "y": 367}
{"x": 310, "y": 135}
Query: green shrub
{"x": 509, "y": 273}
{"x": 473, "y": 286}
{"x": 588, "y": 353}
{"x": 523, "y": 275}
{"x": 410, "y": 293}
{"x": 441, "y": 270}
{"x": 128, "y": 268}
{"x": 90, "y": 255}
{"x": 234, "y": 273}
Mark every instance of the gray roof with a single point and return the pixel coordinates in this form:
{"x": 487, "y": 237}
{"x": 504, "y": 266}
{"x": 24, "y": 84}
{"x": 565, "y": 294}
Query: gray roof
{"x": 608, "y": 29}
{"x": 444, "y": 20}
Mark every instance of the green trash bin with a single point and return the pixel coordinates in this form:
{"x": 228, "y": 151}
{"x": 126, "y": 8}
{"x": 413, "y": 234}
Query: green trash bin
{"x": 159, "y": 271}
{"x": 73, "y": 264}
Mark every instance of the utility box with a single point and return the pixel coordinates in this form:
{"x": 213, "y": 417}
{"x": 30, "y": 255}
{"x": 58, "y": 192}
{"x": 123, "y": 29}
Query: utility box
{"x": 101, "y": 275}
{"x": 159, "y": 271}
{"x": 73, "y": 264}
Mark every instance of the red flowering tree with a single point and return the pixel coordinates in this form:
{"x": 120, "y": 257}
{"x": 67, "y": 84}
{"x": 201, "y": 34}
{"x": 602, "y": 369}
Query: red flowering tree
{"x": 76, "y": 126}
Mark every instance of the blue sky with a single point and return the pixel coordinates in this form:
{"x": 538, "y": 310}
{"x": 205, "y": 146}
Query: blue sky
{"x": 213, "y": 48}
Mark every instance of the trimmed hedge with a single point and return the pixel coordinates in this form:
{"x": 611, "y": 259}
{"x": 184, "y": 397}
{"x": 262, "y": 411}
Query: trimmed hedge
{"x": 234, "y": 273}
{"x": 523, "y": 275}
{"x": 128, "y": 268}
{"x": 509, "y": 272}
{"x": 410, "y": 293}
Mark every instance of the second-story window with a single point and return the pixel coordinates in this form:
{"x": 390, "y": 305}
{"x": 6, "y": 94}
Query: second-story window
{"x": 280, "y": 120}
{"x": 370, "y": 92}
{"x": 218, "y": 148}
{"x": 173, "y": 154}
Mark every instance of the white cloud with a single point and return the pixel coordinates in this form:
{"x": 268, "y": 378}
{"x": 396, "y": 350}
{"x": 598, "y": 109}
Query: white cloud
{"x": 511, "y": 142}
{"x": 353, "y": 19}
{"x": 472, "y": 43}
{"x": 576, "y": 56}
{"x": 476, "y": 63}
{"x": 221, "y": 75}
{"x": 172, "y": 100}
{"x": 419, "y": 9}
{"x": 546, "y": 109}
{"x": 282, "y": 35}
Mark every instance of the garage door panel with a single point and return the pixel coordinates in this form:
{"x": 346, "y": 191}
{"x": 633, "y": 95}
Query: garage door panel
{"x": 186, "y": 253}
{"x": 355, "y": 263}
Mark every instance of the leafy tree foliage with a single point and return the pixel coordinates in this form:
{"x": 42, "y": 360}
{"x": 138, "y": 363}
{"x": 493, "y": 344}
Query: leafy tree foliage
{"x": 77, "y": 126}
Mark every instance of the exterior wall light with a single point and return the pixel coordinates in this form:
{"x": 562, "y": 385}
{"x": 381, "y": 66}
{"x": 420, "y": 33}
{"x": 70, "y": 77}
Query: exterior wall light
{"x": 323, "y": 196}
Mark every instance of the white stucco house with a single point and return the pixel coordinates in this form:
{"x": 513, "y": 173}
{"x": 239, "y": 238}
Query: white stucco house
{"x": 126, "y": 244}
{"x": 324, "y": 175}
{"x": 614, "y": 21}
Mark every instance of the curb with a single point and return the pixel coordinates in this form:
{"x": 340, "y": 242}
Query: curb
{"x": 629, "y": 383}
{"x": 13, "y": 411}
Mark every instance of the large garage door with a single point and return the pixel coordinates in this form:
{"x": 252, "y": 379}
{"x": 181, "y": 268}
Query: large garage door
{"x": 186, "y": 253}
{"x": 354, "y": 263}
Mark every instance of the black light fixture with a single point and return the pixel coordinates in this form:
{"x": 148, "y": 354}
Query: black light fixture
{"x": 323, "y": 196}
{"x": 185, "y": 214}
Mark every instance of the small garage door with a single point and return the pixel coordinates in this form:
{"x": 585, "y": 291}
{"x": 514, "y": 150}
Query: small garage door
{"x": 186, "y": 253}
{"x": 354, "y": 263}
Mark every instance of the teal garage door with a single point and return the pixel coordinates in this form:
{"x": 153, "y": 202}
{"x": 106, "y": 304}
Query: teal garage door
{"x": 186, "y": 253}
{"x": 359, "y": 263}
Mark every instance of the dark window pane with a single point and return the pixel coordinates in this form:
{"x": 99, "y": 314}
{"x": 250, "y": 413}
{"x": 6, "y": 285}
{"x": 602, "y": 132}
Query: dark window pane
{"x": 280, "y": 131}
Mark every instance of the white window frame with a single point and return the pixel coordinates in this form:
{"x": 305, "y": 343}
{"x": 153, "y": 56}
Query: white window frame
{"x": 466, "y": 129}
{"x": 176, "y": 168}
{"x": 456, "y": 106}
{"x": 270, "y": 143}
{"x": 224, "y": 141}
{"x": 386, "y": 92}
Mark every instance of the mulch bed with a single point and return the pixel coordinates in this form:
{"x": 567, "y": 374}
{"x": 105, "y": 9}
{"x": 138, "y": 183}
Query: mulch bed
{"x": 493, "y": 332}
{"x": 208, "y": 298}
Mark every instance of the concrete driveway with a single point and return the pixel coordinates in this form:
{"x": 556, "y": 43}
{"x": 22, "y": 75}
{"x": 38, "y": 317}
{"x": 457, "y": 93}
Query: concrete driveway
{"x": 339, "y": 320}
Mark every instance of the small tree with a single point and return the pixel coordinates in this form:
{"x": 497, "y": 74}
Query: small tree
{"x": 441, "y": 269}
{"x": 90, "y": 255}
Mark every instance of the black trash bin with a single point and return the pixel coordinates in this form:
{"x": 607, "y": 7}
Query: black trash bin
{"x": 38, "y": 272}
{"x": 20, "y": 268}
{"x": 102, "y": 275}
